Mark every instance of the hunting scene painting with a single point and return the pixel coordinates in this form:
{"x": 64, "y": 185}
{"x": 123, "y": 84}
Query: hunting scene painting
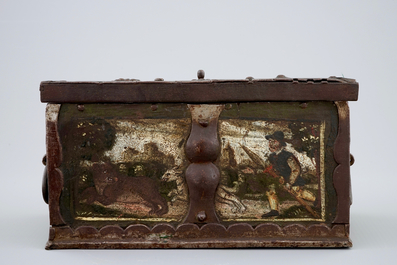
{"x": 140, "y": 174}
{"x": 269, "y": 170}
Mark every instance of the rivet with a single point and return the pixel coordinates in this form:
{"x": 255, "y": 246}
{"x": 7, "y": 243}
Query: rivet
{"x": 203, "y": 123}
{"x": 201, "y": 216}
{"x": 228, "y": 106}
{"x": 249, "y": 78}
{"x": 281, "y": 76}
{"x": 80, "y": 107}
{"x": 159, "y": 79}
{"x": 154, "y": 107}
{"x": 303, "y": 105}
{"x": 200, "y": 74}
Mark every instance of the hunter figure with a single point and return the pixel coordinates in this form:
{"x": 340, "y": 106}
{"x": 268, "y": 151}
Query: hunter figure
{"x": 285, "y": 166}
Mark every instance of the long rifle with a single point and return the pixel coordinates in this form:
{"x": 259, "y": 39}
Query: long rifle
{"x": 302, "y": 202}
{"x": 259, "y": 161}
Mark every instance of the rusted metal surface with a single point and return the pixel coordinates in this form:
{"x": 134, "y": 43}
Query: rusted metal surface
{"x": 200, "y": 91}
{"x": 202, "y": 176}
{"x": 342, "y": 182}
{"x": 192, "y": 236}
{"x": 178, "y": 175}
{"x": 54, "y": 160}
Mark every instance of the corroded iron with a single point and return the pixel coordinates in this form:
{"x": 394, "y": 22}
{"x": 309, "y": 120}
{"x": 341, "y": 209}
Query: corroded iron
{"x": 200, "y": 91}
{"x": 202, "y": 149}
{"x": 201, "y": 163}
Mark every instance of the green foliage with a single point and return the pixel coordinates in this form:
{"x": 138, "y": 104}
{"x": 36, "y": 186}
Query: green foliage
{"x": 306, "y": 137}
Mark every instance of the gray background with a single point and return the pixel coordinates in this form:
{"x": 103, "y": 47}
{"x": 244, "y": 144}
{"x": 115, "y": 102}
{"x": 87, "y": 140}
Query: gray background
{"x": 106, "y": 40}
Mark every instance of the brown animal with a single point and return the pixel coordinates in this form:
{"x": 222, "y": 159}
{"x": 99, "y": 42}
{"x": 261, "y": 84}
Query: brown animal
{"x": 112, "y": 186}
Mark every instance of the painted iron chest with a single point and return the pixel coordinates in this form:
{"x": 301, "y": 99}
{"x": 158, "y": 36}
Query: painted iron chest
{"x": 198, "y": 164}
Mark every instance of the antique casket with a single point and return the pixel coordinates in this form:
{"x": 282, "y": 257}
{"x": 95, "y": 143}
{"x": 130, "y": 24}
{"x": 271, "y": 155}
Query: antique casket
{"x": 198, "y": 164}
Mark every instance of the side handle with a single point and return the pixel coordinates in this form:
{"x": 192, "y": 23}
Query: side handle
{"x": 44, "y": 184}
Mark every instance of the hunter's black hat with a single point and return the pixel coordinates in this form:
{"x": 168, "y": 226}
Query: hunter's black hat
{"x": 277, "y": 135}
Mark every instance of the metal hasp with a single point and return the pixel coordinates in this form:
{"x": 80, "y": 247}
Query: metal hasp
{"x": 202, "y": 149}
{"x": 198, "y": 164}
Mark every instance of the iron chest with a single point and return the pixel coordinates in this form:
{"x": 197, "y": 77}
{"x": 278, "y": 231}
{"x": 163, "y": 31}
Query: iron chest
{"x": 198, "y": 164}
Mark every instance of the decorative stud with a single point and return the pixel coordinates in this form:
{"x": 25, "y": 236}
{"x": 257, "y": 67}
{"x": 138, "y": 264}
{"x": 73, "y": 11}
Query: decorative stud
{"x": 201, "y": 216}
{"x": 228, "y": 106}
{"x": 80, "y": 107}
{"x": 303, "y": 105}
{"x": 200, "y": 74}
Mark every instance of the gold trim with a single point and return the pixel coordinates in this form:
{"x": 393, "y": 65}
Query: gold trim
{"x": 322, "y": 188}
{"x": 126, "y": 219}
{"x": 272, "y": 220}
{"x": 322, "y": 170}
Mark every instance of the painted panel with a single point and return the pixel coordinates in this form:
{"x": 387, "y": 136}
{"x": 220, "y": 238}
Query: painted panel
{"x": 271, "y": 170}
{"x": 126, "y": 163}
